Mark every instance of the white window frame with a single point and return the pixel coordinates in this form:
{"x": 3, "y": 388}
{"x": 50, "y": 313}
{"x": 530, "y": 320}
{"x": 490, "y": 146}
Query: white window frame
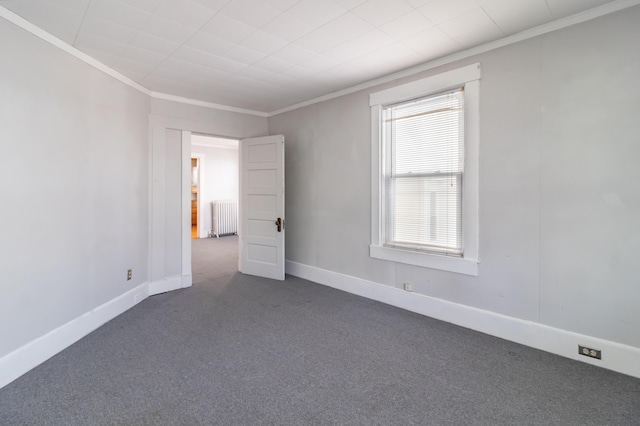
{"x": 469, "y": 78}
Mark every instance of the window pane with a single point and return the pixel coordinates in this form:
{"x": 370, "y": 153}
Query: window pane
{"x": 424, "y": 164}
{"x": 425, "y": 212}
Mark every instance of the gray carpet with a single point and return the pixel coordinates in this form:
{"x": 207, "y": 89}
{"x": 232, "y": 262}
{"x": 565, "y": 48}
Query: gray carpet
{"x": 238, "y": 350}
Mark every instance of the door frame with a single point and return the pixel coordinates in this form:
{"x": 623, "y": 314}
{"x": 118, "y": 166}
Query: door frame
{"x": 186, "y": 208}
{"x": 158, "y": 125}
{"x": 201, "y": 185}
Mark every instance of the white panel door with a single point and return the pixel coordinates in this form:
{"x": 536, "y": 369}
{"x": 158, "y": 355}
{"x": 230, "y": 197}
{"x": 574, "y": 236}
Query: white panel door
{"x": 261, "y": 226}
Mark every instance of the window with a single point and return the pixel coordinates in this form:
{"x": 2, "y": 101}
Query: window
{"x": 424, "y": 172}
{"x": 423, "y": 157}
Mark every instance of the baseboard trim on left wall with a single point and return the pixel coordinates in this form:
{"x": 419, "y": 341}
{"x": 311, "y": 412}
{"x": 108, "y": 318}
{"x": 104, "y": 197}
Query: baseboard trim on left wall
{"x": 175, "y": 282}
{"x": 34, "y": 353}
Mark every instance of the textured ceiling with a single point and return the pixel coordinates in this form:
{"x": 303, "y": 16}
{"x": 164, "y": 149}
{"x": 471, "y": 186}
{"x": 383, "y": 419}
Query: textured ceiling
{"x": 265, "y": 55}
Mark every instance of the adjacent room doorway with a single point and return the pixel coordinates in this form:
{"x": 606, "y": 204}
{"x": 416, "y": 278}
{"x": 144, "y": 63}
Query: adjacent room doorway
{"x": 214, "y": 186}
{"x": 260, "y": 202}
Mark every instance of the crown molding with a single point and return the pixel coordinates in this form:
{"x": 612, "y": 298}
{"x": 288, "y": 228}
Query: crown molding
{"x": 64, "y": 46}
{"x": 558, "y": 24}
{"x": 189, "y": 101}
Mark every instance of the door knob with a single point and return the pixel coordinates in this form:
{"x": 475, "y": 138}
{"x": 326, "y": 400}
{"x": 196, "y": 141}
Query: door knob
{"x": 279, "y": 224}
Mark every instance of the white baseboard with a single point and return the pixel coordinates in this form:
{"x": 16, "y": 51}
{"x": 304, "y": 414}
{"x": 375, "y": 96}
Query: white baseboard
{"x": 34, "y": 353}
{"x": 615, "y": 356}
{"x": 187, "y": 280}
{"x": 175, "y": 282}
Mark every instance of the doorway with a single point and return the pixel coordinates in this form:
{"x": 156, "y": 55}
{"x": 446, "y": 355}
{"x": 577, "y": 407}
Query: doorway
{"x": 170, "y": 255}
{"x": 214, "y": 186}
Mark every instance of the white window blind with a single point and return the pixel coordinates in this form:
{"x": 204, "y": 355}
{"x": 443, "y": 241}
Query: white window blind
{"x": 423, "y": 149}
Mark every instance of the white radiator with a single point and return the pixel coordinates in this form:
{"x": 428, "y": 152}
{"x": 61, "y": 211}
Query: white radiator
{"x": 225, "y": 218}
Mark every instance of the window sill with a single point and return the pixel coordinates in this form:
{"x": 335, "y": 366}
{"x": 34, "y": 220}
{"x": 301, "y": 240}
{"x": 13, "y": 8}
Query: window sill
{"x": 426, "y": 260}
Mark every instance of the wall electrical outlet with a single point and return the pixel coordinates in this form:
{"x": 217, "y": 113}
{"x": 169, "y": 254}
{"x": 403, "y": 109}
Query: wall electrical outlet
{"x": 407, "y": 286}
{"x": 591, "y": 353}
{"x": 129, "y": 274}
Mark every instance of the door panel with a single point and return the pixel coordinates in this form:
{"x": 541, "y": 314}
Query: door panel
{"x": 262, "y": 203}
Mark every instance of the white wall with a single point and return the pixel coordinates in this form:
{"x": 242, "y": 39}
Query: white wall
{"x": 92, "y": 176}
{"x": 74, "y": 185}
{"x": 172, "y": 263}
{"x": 559, "y": 199}
{"x": 220, "y": 179}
